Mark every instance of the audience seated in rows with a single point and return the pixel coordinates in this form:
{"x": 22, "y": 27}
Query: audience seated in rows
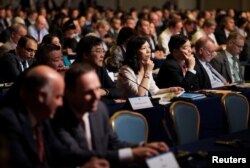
{"x": 83, "y": 122}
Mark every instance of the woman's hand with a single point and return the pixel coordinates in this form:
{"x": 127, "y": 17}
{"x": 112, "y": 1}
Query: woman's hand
{"x": 148, "y": 66}
{"x": 176, "y": 89}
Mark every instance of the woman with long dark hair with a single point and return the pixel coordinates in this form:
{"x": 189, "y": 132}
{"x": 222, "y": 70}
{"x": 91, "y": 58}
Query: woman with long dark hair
{"x": 135, "y": 76}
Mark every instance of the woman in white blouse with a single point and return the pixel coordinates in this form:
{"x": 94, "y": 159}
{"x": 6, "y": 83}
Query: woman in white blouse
{"x": 135, "y": 76}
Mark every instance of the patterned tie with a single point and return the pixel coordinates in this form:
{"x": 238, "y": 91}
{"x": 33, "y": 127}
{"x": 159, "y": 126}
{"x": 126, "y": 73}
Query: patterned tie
{"x": 40, "y": 143}
{"x": 236, "y": 72}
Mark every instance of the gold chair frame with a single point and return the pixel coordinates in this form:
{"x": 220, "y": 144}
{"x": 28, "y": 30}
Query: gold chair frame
{"x": 127, "y": 112}
{"x": 171, "y": 111}
{"x": 223, "y": 101}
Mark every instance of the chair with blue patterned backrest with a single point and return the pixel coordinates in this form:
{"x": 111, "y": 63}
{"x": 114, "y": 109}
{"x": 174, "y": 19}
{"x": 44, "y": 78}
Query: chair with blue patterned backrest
{"x": 236, "y": 109}
{"x": 130, "y": 126}
{"x": 186, "y": 121}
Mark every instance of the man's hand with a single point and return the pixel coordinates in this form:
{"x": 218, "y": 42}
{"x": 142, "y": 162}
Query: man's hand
{"x": 141, "y": 153}
{"x": 159, "y": 146}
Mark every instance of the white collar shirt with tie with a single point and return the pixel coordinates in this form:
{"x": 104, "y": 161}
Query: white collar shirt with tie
{"x": 24, "y": 64}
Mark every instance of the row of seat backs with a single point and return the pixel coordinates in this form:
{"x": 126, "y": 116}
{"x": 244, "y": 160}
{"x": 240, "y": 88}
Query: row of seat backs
{"x": 132, "y": 127}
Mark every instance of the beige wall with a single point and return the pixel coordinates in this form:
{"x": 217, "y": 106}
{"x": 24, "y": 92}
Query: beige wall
{"x": 222, "y": 4}
{"x": 128, "y": 4}
{"x": 183, "y": 4}
{"x": 226, "y": 4}
{"x": 138, "y": 4}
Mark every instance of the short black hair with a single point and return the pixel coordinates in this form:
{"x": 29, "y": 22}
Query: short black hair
{"x": 43, "y": 51}
{"x": 176, "y": 41}
{"x": 85, "y": 46}
{"x": 47, "y": 39}
{"x": 75, "y": 71}
{"x": 124, "y": 34}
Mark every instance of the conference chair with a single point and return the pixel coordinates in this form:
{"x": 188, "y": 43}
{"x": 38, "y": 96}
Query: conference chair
{"x": 236, "y": 108}
{"x": 130, "y": 126}
{"x": 186, "y": 121}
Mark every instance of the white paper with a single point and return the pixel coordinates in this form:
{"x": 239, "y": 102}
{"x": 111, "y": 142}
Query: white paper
{"x": 166, "y": 160}
{"x": 140, "y": 102}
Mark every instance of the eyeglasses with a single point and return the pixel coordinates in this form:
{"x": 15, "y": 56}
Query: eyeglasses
{"x": 29, "y": 49}
{"x": 238, "y": 46}
{"x": 99, "y": 51}
{"x": 209, "y": 52}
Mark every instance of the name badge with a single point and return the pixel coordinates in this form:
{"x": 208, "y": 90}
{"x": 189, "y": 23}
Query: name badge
{"x": 140, "y": 103}
{"x": 166, "y": 160}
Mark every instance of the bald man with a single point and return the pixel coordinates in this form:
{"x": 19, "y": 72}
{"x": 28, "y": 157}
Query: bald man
{"x": 23, "y": 124}
{"x": 39, "y": 29}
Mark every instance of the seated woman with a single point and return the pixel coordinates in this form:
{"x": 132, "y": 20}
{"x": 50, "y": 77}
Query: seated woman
{"x": 135, "y": 76}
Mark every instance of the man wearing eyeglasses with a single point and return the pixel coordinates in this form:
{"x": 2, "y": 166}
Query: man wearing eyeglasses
{"x": 208, "y": 77}
{"x": 17, "y": 30}
{"x": 226, "y": 62}
{"x": 16, "y": 61}
{"x": 91, "y": 50}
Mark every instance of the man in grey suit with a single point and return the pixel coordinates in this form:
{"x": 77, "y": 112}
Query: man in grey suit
{"x": 17, "y": 31}
{"x": 83, "y": 123}
{"x": 227, "y": 61}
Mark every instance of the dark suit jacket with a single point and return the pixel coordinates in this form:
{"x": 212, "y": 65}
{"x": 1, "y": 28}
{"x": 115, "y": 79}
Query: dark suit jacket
{"x": 220, "y": 36}
{"x": 71, "y": 133}
{"x": 221, "y": 64}
{"x": 108, "y": 84}
{"x": 10, "y": 66}
{"x": 15, "y": 125}
{"x": 203, "y": 78}
{"x": 171, "y": 74}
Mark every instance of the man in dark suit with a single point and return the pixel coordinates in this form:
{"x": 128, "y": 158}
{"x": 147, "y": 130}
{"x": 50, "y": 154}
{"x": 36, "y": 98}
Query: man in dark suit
{"x": 91, "y": 50}
{"x": 83, "y": 123}
{"x": 208, "y": 77}
{"x": 222, "y": 32}
{"x": 16, "y": 61}
{"x": 227, "y": 61}
{"x": 23, "y": 124}
{"x": 178, "y": 68}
